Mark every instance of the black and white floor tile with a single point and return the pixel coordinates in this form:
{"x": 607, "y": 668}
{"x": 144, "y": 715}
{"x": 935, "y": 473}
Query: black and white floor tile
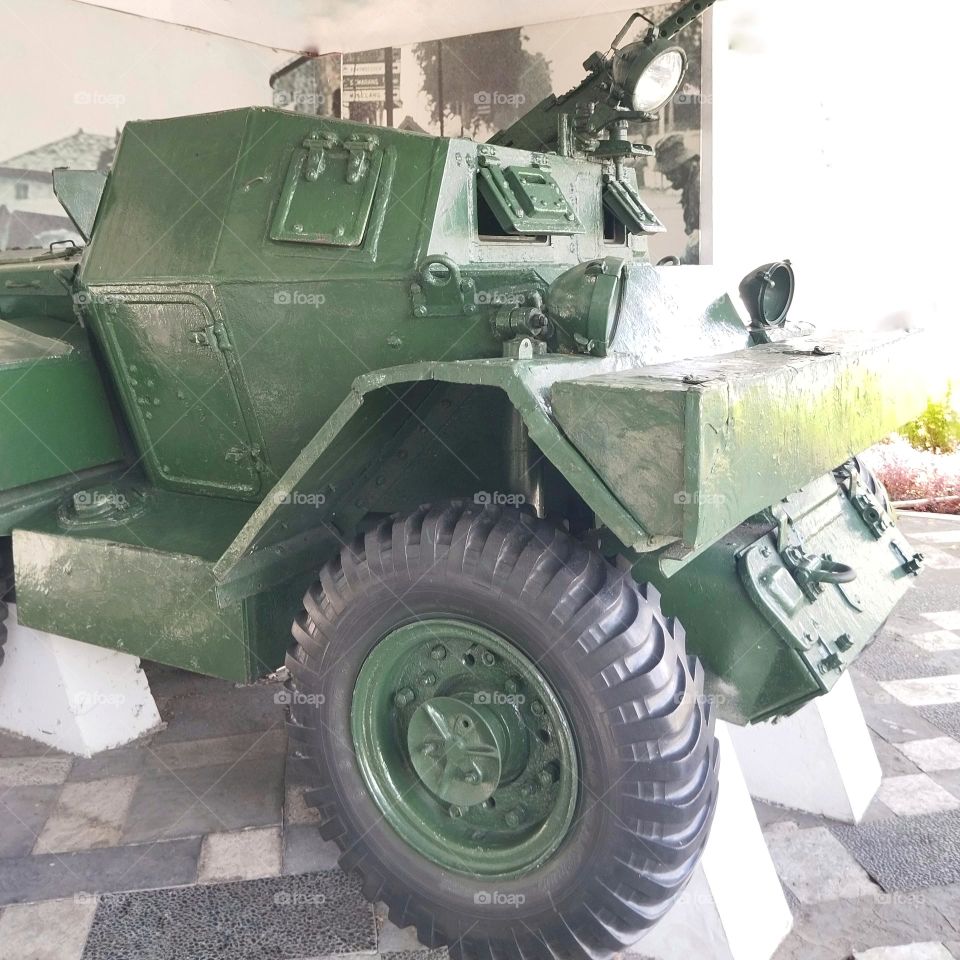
{"x": 195, "y": 843}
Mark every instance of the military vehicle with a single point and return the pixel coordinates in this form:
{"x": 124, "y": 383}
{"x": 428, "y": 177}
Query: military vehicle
{"x": 429, "y": 401}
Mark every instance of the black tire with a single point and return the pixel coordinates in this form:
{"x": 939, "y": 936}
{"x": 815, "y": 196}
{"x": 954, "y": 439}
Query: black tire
{"x": 869, "y": 480}
{"x": 6, "y": 588}
{"x": 647, "y": 752}
{"x": 873, "y": 483}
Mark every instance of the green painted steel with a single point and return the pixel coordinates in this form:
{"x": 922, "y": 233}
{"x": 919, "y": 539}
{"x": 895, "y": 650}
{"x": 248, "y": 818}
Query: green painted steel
{"x": 79, "y": 192}
{"x": 55, "y": 419}
{"x": 695, "y": 446}
{"x": 285, "y": 327}
{"x": 465, "y": 747}
{"x": 140, "y": 579}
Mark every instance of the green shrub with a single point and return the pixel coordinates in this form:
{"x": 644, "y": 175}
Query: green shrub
{"x": 937, "y": 428}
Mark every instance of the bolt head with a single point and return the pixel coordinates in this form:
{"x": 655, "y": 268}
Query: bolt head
{"x": 428, "y": 679}
{"x": 512, "y": 819}
{"x": 537, "y": 708}
{"x": 439, "y": 652}
{"x": 488, "y": 658}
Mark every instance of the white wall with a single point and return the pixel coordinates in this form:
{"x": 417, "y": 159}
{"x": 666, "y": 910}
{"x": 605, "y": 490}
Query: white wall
{"x": 834, "y": 140}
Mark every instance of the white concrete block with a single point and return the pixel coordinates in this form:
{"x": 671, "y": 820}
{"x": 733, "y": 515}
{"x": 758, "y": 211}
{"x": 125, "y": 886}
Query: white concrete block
{"x": 73, "y": 696}
{"x": 820, "y": 760}
{"x": 734, "y": 907}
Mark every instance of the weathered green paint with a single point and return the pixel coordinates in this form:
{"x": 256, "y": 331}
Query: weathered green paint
{"x": 54, "y": 416}
{"x": 465, "y": 748}
{"x": 768, "y": 654}
{"x": 303, "y": 326}
{"x": 695, "y": 446}
{"x": 79, "y": 192}
{"x": 146, "y": 586}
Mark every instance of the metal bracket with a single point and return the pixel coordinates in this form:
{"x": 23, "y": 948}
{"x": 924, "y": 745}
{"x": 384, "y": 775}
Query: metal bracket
{"x": 869, "y": 507}
{"x": 441, "y": 291}
{"x": 315, "y": 145}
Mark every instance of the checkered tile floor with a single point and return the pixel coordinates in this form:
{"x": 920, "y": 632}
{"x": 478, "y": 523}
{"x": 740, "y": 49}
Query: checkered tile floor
{"x": 196, "y": 842}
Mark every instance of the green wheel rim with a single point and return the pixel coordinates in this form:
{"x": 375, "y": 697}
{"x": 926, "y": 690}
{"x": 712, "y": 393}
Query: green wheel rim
{"x": 465, "y": 748}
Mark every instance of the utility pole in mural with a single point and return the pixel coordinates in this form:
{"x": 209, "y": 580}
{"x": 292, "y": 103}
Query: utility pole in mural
{"x": 484, "y": 80}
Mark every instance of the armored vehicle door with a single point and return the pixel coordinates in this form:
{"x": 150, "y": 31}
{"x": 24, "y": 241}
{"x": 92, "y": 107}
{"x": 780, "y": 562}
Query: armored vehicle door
{"x": 184, "y": 392}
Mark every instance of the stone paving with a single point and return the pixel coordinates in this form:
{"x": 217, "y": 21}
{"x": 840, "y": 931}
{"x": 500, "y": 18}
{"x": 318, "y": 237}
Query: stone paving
{"x": 196, "y": 842}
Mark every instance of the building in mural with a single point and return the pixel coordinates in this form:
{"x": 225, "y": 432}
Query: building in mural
{"x": 309, "y": 84}
{"x": 30, "y": 214}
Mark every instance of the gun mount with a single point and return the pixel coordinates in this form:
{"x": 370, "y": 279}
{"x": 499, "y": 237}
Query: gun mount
{"x": 625, "y": 83}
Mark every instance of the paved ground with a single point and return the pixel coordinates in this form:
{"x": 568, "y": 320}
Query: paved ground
{"x": 196, "y": 842}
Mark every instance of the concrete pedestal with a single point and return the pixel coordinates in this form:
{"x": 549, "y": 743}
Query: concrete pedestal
{"x": 734, "y": 907}
{"x": 73, "y": 696}
{"x": 821, "y": 760}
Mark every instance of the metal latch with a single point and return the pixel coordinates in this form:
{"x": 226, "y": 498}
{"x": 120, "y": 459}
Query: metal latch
{"x": 871, "y": 510}
{"x": 812, "y": 571}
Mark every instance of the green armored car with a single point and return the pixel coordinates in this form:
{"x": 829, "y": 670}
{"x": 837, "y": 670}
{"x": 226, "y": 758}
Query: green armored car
{"x": 430, "y": 402}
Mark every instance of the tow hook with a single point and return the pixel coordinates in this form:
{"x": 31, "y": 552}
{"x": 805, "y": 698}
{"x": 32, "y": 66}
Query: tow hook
{"x": 812, "y": 571}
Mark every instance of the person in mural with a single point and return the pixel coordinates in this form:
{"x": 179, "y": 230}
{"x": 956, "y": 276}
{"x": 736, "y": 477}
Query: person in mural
{"x": 682, "y": 170}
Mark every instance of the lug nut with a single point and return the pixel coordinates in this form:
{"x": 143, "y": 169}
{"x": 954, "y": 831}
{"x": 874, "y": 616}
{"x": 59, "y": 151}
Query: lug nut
{"x": 512, "y": 819}
{"x": 545, "y": 777}
{"x": 456, "y": 812}
{"x": 472, "y": 777}
{"x": 403, "y": 697}
{"x": 438, "y": 652}
{"x": 512, "y": 685}
{"x": 537, "y": 708}
{"x": 428, "y": 679}
{"x": 488, "y": 658}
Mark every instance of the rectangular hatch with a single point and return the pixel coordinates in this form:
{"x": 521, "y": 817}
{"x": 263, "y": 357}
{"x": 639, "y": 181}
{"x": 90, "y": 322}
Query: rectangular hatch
{"x": 329, "y": 189}
{"x": 525, "y": 199}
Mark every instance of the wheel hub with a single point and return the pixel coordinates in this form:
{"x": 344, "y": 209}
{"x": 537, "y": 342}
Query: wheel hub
{"x": 465, "y": 748}
{"x": 458, "y": 748}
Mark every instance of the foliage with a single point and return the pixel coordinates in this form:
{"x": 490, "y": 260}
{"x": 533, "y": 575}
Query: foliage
{"x": 937, "y": 428}
{"x": 487, "y": 78}
{"x": 911, "y": 474}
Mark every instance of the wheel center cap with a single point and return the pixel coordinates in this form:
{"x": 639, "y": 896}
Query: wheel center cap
{"x": 457, "y": 749}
